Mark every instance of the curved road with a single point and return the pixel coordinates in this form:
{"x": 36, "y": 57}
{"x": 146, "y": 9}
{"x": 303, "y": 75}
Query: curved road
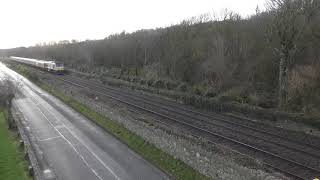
{"x": 71, "y": 146}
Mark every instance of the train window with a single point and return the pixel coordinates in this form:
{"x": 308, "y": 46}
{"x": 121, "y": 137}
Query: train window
{"x": 59, "y": 65}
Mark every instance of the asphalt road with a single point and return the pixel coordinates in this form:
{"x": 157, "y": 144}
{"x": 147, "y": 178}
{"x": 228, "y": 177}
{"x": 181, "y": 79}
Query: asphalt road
{"x": 73, "y": 147}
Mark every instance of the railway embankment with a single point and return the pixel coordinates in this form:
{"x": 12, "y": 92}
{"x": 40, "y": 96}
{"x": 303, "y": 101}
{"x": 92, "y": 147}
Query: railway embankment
{"x": 215, "y": 161}
{"x": 291, "y": 121}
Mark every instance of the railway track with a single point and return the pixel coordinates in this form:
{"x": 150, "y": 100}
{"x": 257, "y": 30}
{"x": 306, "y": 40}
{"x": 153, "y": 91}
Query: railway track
{"x": 300, "y": 138}
{"x": 295, "y": 157}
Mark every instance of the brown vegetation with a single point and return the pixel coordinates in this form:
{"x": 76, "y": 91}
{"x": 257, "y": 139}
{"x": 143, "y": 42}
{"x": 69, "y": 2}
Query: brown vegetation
{"x": 270, "y": 59}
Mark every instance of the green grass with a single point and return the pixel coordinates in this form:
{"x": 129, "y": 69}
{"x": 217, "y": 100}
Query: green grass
{"x": 176, "y": 168}
{"x": 12, "y": 164}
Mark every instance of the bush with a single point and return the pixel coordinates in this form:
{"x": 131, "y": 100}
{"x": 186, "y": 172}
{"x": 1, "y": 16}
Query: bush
{"x": 159, "y": 84}
{"x": 237, "y": 94}
{"x": 197, "y": 91}
{"x": 135, "y": 79}
{"x": 171, "y": 85}
{"x": 262, "y": 100}
{"x": 211, "y": 93}
{"x": 254, "y": 99}
{"x": 143, "y": 82}
{"x": 150, "y": 82}
{"x": 182, "y": 87}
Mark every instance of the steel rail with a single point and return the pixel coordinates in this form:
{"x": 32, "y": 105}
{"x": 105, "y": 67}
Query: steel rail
{"x": 201, "y": 130}
{"x": 229, "y": 128}
{"x": 210, "y": 116}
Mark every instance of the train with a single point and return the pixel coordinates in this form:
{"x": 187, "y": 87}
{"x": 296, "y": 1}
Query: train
{"x": 51, "y": 66}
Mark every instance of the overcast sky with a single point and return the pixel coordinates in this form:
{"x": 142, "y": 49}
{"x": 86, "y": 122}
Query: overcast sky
{"x": 28, "y": 22}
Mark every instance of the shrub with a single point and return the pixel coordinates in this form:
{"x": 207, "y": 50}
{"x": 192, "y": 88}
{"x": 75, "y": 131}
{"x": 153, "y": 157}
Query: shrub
{"x": 237, "y": 94}
{"x": 211, "y": 92}
{"x": 182, "y": 87}
{"x": 171, "y": 85}
{"x": 159, "y": 84}
{"x": 150, "y": 82}
{"x": 197, "y": 91}
{"x": 135, "y": 79}
{"x": 254, "y": 99}
{"x": 143, "y": 82}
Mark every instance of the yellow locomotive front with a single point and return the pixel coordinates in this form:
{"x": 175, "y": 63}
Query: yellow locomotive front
{"x": 59, "y": 67}
{"x": 55, "y": 66}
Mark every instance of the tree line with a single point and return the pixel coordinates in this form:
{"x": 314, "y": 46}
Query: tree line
{"x": 272, "y": 55}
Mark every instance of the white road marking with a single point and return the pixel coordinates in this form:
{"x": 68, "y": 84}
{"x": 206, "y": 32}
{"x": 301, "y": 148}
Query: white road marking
{"x": 88, "y": 148}
{"x": 86, "y": 163}
{"x": 51, "y": 138}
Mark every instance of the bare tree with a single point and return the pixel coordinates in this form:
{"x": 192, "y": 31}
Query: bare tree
{"x": 290, "y": 18}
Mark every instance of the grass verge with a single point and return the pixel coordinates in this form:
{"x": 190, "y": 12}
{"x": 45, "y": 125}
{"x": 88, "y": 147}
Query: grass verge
{"x": 177, "y": 169}
{"x": 12, "y": 164}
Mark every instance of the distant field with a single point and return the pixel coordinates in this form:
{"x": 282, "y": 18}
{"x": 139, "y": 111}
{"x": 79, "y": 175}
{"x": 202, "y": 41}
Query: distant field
{"x": 12, "y": 164}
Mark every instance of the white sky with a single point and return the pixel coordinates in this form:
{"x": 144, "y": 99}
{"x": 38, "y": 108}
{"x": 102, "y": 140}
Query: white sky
{"x": 27, "y": 22}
